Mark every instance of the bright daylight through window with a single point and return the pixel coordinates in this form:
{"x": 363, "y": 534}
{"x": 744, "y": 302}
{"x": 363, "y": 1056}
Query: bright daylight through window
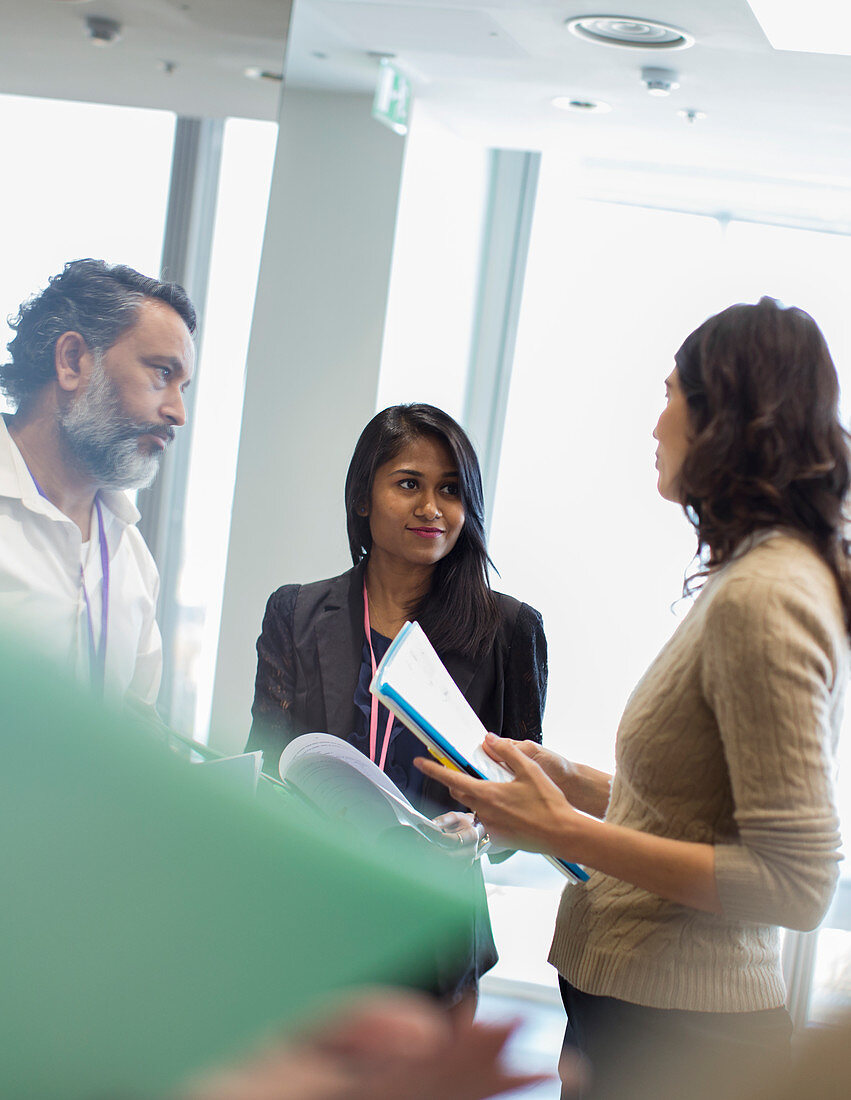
{"x": 610, "y": 293}
{"x": 119, "y": 214}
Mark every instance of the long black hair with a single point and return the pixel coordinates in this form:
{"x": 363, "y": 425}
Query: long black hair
{"x": 768, "y": 446}
{"x": 459, "y": 612}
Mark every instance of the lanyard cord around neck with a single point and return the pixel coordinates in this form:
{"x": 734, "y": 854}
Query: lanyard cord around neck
{"x": 97, "y": 655}
{"x": 373, "y": 708}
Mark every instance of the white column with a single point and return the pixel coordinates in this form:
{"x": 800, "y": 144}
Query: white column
{"x": 312, "y": 371}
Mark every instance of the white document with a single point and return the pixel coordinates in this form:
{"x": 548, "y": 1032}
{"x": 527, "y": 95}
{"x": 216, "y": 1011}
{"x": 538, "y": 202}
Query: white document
{"x": 344, "y": 784}
{"x": 413, "y": 682}
{"x": 244, "y": 770}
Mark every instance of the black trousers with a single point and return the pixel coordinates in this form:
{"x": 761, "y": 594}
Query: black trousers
{"x": 453, "y": 969}
{"x": 640, "y": 1053}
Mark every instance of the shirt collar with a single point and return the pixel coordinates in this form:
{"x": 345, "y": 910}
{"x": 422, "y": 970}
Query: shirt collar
{"x": 754, "y": 539}
{"x": 16, "y": 482}
{"x": 118, "y": 502}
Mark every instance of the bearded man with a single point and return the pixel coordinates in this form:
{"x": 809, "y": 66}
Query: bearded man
{"x": 99, "y": 364}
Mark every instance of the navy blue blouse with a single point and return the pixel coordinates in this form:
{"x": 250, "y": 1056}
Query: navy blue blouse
{"x": 404, "y": 746}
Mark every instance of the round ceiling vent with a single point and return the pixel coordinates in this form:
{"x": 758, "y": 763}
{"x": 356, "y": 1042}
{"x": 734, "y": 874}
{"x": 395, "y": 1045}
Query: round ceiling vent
{"x": 636, "y": 34}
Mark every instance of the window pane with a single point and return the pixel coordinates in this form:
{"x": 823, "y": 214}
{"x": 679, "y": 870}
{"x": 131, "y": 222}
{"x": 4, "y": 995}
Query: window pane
{"x": 246, "y": 172}
{"x": 579, "y": 530}
{"x": 81, "y": 179}
{"x": 431, "y": 301}
{"x": 801, "y": 268}
{"x": 813, "y": 271}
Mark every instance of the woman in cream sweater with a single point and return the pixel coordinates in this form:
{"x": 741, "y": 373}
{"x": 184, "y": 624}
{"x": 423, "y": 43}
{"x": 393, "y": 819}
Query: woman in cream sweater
{"x": 719, "y": 824}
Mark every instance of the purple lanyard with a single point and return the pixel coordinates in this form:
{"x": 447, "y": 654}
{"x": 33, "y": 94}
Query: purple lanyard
{"x": 97, "y": 656}
{"x": 373, "y": 709}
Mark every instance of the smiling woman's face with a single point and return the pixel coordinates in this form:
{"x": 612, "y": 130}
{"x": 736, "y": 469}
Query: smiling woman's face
{"x": 673, "y": 434}
{"x": 415, "y": 509}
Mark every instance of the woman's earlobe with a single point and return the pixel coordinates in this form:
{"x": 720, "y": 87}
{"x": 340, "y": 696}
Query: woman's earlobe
{"x": 362, "y": 510}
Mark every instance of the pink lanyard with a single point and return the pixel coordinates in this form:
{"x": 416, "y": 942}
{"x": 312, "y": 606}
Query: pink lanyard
{"x": 373, "y": 710}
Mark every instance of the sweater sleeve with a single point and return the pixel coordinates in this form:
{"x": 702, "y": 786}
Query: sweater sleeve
{"x": 769, "y": 669}
{"x": 525, "y": 677}
{"x": 272, "y": 727}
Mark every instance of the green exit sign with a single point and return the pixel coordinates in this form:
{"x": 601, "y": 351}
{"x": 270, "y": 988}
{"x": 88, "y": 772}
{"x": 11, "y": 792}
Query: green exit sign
{"x": 392, "y": 98}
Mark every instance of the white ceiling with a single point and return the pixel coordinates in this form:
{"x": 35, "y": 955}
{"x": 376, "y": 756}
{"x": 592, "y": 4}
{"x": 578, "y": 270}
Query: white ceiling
{"x": 489, "y": 69}
{"x": 44, "y": 51}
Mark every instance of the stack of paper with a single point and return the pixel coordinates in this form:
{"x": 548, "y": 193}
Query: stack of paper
{"x": 413, "y": 682}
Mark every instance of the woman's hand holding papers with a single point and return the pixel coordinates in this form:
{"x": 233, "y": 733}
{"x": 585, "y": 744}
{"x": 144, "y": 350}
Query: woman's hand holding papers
{"x": 531, "y": 812}
{"x": 465, "y": 828}
{"x": 585, "y": 788}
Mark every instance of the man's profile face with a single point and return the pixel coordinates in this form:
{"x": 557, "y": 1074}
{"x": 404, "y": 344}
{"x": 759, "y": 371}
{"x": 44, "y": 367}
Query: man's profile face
{"x": 119, "y": 424}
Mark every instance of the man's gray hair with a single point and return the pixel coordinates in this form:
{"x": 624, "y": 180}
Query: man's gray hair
{"x": 90, "y": 297}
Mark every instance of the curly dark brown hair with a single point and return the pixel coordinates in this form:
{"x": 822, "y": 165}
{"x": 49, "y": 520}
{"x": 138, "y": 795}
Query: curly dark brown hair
{"x": 88, "y": 296}
{"x": 768, "y": 447}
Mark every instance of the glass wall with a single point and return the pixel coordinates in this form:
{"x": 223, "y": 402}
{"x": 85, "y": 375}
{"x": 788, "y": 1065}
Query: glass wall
{"x": 431, "y": 301}
{"x": 246, "y": 171}
{"x": 80, "y": 179}
{"x": 93, "y": 180}
{"x": 579, "y": 530}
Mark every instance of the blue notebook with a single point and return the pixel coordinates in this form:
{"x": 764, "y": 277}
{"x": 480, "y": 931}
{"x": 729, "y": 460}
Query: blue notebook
{"x": 415, "y": 685}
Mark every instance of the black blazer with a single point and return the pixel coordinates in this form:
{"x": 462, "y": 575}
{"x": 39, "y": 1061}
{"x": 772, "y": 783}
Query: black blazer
{"x": 309, "y": 657}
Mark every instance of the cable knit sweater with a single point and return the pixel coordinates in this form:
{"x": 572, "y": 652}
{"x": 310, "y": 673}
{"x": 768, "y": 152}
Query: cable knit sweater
{"x": 727, "y": 740}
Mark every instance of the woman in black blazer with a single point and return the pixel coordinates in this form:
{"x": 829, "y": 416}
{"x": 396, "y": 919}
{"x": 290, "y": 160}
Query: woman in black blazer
{"x": 415, "y": 518}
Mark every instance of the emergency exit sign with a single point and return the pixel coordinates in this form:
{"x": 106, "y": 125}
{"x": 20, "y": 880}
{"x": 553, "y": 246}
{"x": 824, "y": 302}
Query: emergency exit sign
{"x": 392, "y": 97}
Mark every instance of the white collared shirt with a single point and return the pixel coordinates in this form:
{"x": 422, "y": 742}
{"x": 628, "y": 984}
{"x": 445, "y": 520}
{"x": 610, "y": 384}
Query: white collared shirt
{"x": 41, "y": 593}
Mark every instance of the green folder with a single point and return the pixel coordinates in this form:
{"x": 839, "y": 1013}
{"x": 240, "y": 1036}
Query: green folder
{"x": 155, "y": 920}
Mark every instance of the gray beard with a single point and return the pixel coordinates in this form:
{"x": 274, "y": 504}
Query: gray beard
{"x": 103, "y": 440}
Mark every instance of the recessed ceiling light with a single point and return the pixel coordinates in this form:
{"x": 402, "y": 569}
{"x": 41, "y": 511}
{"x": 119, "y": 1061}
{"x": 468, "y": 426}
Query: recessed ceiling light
{"x": 635, "y": 34}
{"x": 582, "y": 106}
